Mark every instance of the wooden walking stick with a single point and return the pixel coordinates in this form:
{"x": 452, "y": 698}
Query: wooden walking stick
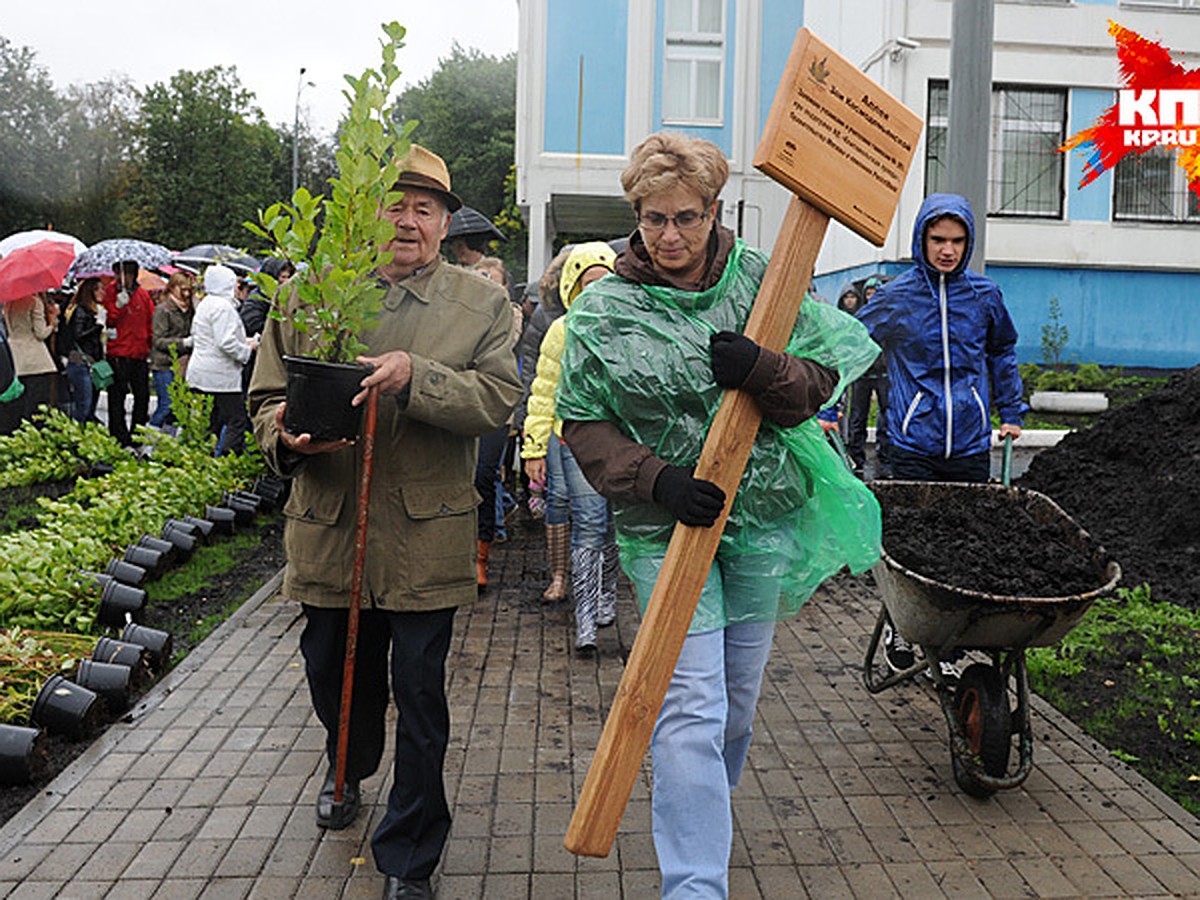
{"x": 356, "y": 580}
{"x": 843, "y": 145}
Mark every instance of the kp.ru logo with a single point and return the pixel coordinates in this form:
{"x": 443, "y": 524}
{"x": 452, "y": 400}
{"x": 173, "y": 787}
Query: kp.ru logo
{"x": 1158, "y": 107}
{"x": 1169, "y": 112}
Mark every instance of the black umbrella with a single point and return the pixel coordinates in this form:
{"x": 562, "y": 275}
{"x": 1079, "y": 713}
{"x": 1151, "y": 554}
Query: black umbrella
{"x": 100, "y": 258}
{"x": 466, "y": 221}
{"x": 213, "y": 254}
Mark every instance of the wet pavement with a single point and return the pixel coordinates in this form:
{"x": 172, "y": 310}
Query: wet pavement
{"x": 208, "y": 791}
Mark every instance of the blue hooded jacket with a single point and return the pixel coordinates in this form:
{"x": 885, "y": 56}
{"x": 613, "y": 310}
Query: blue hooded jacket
{"x": 949, "y": 344}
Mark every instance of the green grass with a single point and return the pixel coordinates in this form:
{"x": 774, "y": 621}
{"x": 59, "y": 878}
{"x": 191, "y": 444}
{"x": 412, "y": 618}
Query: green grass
{"x": 1140, "y": 658}
{"x": 186, "y": 581}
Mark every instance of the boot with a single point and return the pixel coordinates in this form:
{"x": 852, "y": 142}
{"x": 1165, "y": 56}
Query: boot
{"x": 610, "y": 567}
{"x": 558, "y": 548}
{"x": 481, "y": 561}
{"x": 586, "y": 565}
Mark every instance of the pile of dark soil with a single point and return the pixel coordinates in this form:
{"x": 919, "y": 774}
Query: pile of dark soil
{"x": 218, "y": 593}
{"x": 986, "y": 540}
{"x": 1133, "y": 481}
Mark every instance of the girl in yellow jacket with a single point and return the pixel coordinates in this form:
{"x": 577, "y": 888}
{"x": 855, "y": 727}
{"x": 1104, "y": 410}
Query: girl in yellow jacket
{"x": 594, "y": 563}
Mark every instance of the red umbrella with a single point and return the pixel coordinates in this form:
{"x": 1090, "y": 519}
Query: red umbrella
{"x": 36, "y": 267}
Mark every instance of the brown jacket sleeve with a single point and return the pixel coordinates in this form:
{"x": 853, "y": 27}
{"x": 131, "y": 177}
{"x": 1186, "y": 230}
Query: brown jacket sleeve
{"x": 618, "y": 467}
{"x": 789, "y": 389}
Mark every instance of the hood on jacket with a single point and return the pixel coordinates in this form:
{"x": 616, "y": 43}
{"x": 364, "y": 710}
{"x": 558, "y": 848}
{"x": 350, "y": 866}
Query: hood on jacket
{"x": 220, "y": 281}
{"x": 934, "y": 207}
{"x": 582, "y": 258}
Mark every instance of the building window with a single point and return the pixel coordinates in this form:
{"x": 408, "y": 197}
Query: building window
{"x": 694, "y": 62}
{"x": 1170, "y": 4}
{"x": 1152, "y": 187}
{"x": 1025, "y": 171}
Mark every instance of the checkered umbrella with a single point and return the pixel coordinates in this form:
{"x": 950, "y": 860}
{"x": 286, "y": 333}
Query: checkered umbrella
{"x": 100, "y": 258}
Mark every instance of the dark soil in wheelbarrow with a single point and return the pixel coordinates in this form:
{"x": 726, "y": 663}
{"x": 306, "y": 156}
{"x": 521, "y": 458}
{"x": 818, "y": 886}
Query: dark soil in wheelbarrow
{"x": 982, "y": 540}
{"x": 232, "y": 573}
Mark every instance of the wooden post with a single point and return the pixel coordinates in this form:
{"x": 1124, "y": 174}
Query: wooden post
{"x": 819, "y": 142}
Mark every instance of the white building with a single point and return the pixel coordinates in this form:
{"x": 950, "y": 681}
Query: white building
{"x": 1120, "y": 255}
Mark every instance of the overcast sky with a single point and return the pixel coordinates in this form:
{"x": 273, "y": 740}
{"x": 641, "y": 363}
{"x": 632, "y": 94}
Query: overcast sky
{"x": 81, "y": 41}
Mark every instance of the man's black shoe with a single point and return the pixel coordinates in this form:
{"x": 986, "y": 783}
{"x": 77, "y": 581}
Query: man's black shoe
{"x": 398, "y": 888}
{"x": 336, "y": 816}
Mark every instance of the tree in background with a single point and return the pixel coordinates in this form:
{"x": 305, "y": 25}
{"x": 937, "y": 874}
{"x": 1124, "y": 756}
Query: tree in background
{"x": 97, "y": 164}
{"x": 467, "y": 114}
{"x": 207, "y": 155}
{"x": 31, "y": 140}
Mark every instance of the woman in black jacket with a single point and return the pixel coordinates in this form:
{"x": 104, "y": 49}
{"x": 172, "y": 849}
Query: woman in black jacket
{"x": 79, "y": 343}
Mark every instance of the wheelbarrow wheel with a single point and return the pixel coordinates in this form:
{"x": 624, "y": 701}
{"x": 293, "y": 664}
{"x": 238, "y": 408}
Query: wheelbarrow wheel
{"x": 982, "y": 703}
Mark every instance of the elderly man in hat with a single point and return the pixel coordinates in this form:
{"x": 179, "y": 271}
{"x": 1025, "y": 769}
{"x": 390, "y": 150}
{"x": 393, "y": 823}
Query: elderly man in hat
{"x": 442, "y": 351}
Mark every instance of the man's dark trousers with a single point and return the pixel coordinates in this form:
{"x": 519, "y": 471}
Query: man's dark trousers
{"x": 409, "y": 840}
{"x": 130, "y": 375}
{"x": 908, "y": 466}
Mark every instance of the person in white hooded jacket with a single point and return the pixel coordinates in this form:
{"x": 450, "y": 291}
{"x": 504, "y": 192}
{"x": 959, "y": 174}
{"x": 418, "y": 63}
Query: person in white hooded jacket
{"x": 219, "y": 350}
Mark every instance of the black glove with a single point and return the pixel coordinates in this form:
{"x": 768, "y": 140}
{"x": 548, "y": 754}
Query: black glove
{"x": 692, "y": 501}
{"x": 733, "y": 356}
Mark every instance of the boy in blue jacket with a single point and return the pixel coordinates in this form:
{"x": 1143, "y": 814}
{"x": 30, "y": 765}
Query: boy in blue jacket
{"x": 949, "y": 344}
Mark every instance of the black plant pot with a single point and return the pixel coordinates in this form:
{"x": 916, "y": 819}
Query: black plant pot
{"x": 100, "y": 469}
{"x": 183, "y": 541}
{"x": 273, "y": 490}
{"x": 119, "y": 602}
{"x": 123, "y": 653}
{"x": 255, "y": 500}
{"x": 22, "y": 754}
{"x": 163, "y": 546}
{"x": 126, "y": 572}
{"x": 66, "y": 708}
{"x": 204, "y": 527}
{"x": 243, "y": 510}
{"x": 148, "y": 558}
{"x": 224, "y": 520}
{"x": 318, "y": 398}
{"x": 111, "y": 681}
{"x": 157, "y": 643}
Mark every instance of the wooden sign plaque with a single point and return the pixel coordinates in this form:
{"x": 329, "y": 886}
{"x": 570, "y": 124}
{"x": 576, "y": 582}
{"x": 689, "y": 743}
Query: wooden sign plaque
{"x": 837, "y": 139}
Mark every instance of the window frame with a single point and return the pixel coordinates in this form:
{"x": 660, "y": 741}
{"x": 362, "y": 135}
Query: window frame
{"x": 694, "y": 48}
{"x": 937, "y": 126}
{"x": 1183, "y": 206}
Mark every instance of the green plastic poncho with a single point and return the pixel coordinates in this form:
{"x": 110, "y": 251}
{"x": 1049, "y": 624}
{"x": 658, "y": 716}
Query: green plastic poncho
{"x": 638, "y": 356}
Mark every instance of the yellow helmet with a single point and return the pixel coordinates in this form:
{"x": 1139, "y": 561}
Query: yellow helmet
{"x": 580, "y": 259}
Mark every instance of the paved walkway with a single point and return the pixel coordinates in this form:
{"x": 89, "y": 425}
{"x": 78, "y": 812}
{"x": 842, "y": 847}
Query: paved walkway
{"x": 208, "y": 791}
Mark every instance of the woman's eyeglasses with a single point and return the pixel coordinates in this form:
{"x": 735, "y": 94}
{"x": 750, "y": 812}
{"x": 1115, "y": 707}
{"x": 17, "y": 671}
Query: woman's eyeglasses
{"x": 684, "y": 221}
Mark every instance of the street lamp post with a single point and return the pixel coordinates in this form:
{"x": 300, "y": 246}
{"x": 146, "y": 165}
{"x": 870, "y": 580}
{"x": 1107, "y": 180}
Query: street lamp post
{"x": 296, "y": 133}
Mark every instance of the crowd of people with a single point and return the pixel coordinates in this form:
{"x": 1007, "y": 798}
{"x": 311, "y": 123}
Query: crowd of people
{"x": 473, "y": 378}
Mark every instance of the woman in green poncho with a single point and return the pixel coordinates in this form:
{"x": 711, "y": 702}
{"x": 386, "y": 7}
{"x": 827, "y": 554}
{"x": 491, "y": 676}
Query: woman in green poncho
{"x": 648, "y": 354}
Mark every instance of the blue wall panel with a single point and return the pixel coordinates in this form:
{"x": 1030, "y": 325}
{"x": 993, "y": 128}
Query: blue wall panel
{"x": 1094, "y": 202}
{"x": 597, "y": 31}
{"x": 781, "y": 19}
{"x": 1113, "y": 317}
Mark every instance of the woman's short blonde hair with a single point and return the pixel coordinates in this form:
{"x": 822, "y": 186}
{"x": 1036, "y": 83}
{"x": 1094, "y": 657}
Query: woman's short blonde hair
{"x": 665, "y": 161}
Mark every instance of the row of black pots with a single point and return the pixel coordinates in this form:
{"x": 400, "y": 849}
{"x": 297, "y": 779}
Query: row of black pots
{"x": 72, "y": 708}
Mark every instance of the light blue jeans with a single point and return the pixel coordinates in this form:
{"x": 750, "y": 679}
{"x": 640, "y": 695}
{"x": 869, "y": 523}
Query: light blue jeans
{"x": 569, "y": 497}
{"x": 702, "y": 737}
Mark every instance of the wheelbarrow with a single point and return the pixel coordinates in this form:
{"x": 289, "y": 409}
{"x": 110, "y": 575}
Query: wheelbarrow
{"x": 942, "y": 619}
